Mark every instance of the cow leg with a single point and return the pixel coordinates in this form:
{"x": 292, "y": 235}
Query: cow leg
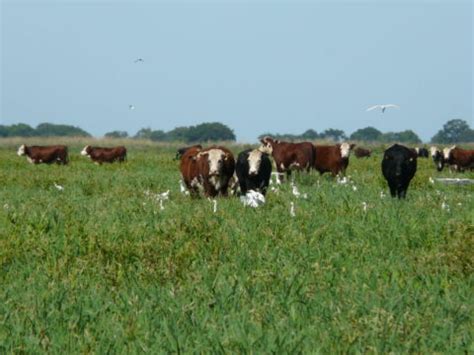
{"x": 393, "y": 191}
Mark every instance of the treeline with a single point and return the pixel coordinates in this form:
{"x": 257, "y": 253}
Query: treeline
{"x": 454, "y": 131}
{"x": 42, "y": 130}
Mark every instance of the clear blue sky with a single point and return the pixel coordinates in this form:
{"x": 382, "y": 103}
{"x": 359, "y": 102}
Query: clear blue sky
{"x": 260, "y": 66}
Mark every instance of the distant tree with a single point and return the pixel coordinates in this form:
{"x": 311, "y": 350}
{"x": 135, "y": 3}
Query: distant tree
{"x": 178, "y": 134}
{"x": 4, "y": 131}
{"x": 407, "y": 136}
{"x": 213, "y": 131}
{"x": 467, "y": 136}
{"x": 20, "y": 130}
{"x": 59, "y": 130}
{"x": 116, "y": 134}
{"x": 158, "y": 135}
{"x": 367, "y": 134}
{"x": 310, "y": 134}
{"x": 453, "y": 131}
{"x": 333, "y": 134}
{"x": 143, "y": 133}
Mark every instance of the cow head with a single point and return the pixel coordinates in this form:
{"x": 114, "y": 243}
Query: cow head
{"x": 254, "y": 159}
{"x": 346, "y": 149}
{"x": 437, "y": 157}
{"x": 22, "y": 150}
{"x": 267, "y": 145}
{"x": 215, "y": 158}
{"x": 86, "y": 151}
{"x": 447, "y": 152}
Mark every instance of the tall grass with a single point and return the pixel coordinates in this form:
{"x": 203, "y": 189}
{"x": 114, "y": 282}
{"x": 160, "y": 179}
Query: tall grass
{"x": 99, "y": 267}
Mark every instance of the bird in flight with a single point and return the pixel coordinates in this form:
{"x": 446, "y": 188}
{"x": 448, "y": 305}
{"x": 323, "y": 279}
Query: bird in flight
{"x": 383, "y": 107}
{"x": 131, "y": 107}
{"x": 139, "y": 60}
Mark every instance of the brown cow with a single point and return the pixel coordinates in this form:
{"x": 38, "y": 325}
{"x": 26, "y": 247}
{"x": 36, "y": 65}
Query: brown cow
{"x": 332, "y": 158}
{"x": 459, "y": 159}
{"x": 101, "y": 155}
{"x": 362, "y": 152}
{"x": 45, "y": 154}
{"x": 208, "y": 169}
{"x": 288, "y": 156}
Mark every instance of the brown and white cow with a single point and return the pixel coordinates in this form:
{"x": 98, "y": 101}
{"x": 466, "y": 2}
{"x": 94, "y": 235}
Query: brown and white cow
{"x": 332, "y": 158}
{"x": 459, "y": 159}
{"x": 209, "y": 170}
{"x": 101, "y": 155}
{"x": 45, "y": 154}
{"x": 289, "y": 156}
{"x": 362, "y": 152}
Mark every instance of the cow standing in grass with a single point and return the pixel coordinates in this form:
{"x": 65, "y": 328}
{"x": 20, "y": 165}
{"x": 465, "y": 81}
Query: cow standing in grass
{"x": 45, "y": 154}
{"x": 289, "y": 156}
{"x": 101, "y": 155}
{"x": 253, "y": 169}
{"x": 437, "y": 157}
{"x": 209, "y": 170}
{"x": 398, "y": 168}
{"x": 459, "y": 159}
{"x": 332, "y": 158}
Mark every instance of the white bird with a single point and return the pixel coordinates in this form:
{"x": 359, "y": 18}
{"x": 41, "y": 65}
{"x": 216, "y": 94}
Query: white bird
{"x": 59, "y": 187}
{"x": 131, "y": 107}
{"x": 292, "y": 209}
{"x": 431, "y": 180}
{"x": 364, "y": 206}
{"x": 138, "y": 60}
{"x": 252, "y": 199}
{"x": 383, "y": 107}
{"x": 164, "y": 195}
{"x": 382, "y": 194}
{"x": 342, "y": 181}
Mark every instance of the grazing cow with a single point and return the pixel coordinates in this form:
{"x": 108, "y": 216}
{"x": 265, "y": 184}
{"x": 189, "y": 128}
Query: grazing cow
{"x": 45, "y": 154}
{"x": 437, "y": 157}
{"x": 398, "y": 168}
{"x": 362, "y": 152}
{"x": 101, "y": 155}
{"x": 181, "y": 151}
{"x": 288, "y": 156}
{"x": 459, "y": 159}
{"x": 422, "y": 152}
{"x": 332, "y": 158}
{"x": 253, "y": 169}
{"x": 209, "y": 169}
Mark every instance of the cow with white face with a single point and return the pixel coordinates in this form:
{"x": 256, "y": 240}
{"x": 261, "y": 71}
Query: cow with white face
{"x": 216, "y": 167}
{"x": 459, "y": 159}
{"x": 437, "y": 157}
{"x": 253, "y": 169}
{"x": 332, "y": 158}
{"x": 44, "y": 154}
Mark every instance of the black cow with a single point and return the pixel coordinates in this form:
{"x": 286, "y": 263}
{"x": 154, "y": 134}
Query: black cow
{"x": 253, "y": 169}
{"x": 398, "y": 168}
{"x": 422, "y": 152}
{"x": 438, "y": 158}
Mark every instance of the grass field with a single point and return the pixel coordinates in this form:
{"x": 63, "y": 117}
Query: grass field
{"x": 100, "y": 268}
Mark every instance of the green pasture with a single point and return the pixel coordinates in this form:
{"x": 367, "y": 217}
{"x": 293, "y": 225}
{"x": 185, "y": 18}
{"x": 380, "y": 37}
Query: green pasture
{"x": 100, "y": 268}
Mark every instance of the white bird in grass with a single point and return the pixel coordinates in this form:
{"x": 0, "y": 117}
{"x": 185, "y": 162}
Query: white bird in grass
{"x": 382, "y": 194}
{"x": 292, "y": 209}
{"x": 252, "y": 199}
{"x": 364, "y": 206}
{"x": 383, "y": 107}
{"x": 431, "y": 180}
{"x": 296, "y": 192}
{"x": 59, "y": 187}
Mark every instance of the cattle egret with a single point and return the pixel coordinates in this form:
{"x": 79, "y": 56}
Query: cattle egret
{"x": 342, "y": 181}
{"x": 139, "y": 60}
{"x": 364, "y": 206}
{"x": 382, "y": 194}
{"x": 252, "y": 199}
{"x": 131, "y": 107}
{"x": 59, "y": 187}
{"x": 383, "y": 107}
{"x": 164, "y": 196}
{"x": 292, "y": 209}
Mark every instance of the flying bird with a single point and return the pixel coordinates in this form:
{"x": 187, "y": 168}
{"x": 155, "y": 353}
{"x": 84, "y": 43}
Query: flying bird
{"x": 138, "y": 60}
{"x": 383, "y": 107}
{"x": 131, "y": 107}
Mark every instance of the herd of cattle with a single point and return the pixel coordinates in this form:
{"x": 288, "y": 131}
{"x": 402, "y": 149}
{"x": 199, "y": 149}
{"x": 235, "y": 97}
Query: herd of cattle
{"x": 214, "y": 170}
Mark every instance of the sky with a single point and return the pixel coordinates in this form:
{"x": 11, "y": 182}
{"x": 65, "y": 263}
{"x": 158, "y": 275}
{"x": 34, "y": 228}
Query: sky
{"x": 256, "y": 66}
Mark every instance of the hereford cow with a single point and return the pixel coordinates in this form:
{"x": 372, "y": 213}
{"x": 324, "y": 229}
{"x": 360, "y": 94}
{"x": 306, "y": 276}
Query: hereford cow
{"x": 181, "y": 151}
{"x": 362, "y": 152}
{"x": 437, "y": 157}
{"x": 45, "y": 154}
{"x": 208, "y": 169}
{"x": 101, "y": 155}
{"x": 422, "y": 152}
{"x": 253, "y": 169}
{"x": 459, "y": 159}
{"x": 289, "y": 156}
{"x": 398, "y": 168}
{"x": 332, "y": 158}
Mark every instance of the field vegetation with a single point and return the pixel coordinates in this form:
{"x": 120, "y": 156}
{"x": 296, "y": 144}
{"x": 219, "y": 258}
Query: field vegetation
{"x": 98, "y": 267}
